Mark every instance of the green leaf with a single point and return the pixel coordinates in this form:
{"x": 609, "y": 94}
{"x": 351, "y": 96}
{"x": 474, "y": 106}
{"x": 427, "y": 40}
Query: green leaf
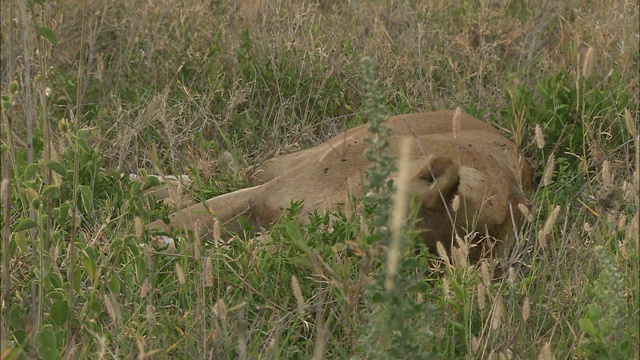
{"x": 15, "y": 317}
{"x": 89, "y": 265}
{"x": 46, "y": 343}
{"x": 25, "y": 224}
{"x": 95, "y": 308}
{"x": 114, "y": 285}
{"x": 48, "y": 34}
{"x": 84, "y": 145}
{"x": 87, "y": 197}
{"x": 55, "y": 280}
{"x": 21, "y": 242}
{"x": 13, "y": 87}
{"x": 57, "y": 238}
{"x": 30, "y": 171}
{"x": 36, "y": 203}
{"x": 57, "y": 167}
{"x": 61, "y": 214}
{"x": 49, "y": 190}
{"x": 22, "y": 339}
{"x": 151, "y": 182}
{"x": 377, "y": 297}
{"x": 132, "y": 244}
{"x": 60, "y": 312}
{"x": 587, "y": 326}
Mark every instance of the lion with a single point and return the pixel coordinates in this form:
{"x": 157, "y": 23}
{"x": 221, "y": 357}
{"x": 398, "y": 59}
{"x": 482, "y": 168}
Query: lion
{"x": 469, "y": 182}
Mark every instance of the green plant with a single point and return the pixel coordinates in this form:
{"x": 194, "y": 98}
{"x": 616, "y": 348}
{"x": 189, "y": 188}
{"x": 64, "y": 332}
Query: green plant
{"x": 608, "y": 324}
{"x": 400, "y": 326}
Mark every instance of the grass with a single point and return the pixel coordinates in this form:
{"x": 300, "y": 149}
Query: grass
{"x": 169, "y": 89}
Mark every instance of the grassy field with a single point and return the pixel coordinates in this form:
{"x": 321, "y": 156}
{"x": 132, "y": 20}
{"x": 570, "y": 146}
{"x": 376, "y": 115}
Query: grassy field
{"x": 170, "y": 87}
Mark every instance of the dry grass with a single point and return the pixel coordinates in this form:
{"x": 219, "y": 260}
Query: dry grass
{"x": 178, "y": 84}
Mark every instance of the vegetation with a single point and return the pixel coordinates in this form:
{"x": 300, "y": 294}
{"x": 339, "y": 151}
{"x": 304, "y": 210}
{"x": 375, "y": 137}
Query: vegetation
{"x": 94, "y": 90}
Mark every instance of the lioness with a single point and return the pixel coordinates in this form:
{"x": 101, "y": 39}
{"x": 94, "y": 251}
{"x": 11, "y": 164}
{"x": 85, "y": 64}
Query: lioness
{"x": 476, "y": 164}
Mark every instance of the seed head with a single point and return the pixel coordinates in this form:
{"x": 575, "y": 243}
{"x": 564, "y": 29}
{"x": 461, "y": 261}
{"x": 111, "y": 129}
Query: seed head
{"x": 539, "y": 137}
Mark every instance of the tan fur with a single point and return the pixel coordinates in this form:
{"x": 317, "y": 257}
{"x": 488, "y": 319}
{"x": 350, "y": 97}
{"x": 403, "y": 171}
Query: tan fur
{"x": 479, "y": 165}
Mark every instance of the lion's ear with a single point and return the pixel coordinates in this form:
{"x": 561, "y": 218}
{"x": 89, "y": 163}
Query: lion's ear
{"x": 439, "y": 179}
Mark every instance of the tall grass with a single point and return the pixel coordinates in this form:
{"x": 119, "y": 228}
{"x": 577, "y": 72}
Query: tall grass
{"x": 169, "y": 87}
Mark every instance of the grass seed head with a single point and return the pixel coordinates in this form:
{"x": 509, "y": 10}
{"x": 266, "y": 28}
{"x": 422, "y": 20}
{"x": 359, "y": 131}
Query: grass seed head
{"x": 511, "y": 278}
{"x": 498, "y": 313}
{"x": 208, "y": 272}
{"x": 220, "y": 309}
{"x": 137, "y": 227}
{"x": 442, "y": 252}
{"x": 485, "y": 274}
{"x": 297, "y": 292}
{"x": 548, "y": 227}
{"x": 539, "y": 137}
{"x": 455, "y": 203}
{"x": 546, "y": 353}
{"x": 547, "y": 178}
{"x": 588, "y": 63}
{"x": 456, "y": 122}
{"x": 180, "y": 274}
{"x": 459, "y": 256}
{"x": 607, "y": 175}
{"x": 482, "y": 300}
{"x": 630, "y": 123}
{"x": 526, "y": 308}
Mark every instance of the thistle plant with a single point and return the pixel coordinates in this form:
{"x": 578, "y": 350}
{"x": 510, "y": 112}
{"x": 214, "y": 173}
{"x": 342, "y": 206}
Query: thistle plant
{"x": 379, "y": 187}
{"x": 399, "y": 326}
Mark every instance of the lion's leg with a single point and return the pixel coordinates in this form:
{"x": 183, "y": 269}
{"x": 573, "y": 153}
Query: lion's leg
{"x": 227, "y": 209}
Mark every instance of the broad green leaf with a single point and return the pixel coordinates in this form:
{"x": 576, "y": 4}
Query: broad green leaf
{"x": 22, "y": 339}
{"x": 36, "y": 203}
{"x": 31, "y": 194}
{"x": 587, "y": 326}
{"x": 57, "y": 167}
{"x": 89, "y": 265}
{"x": 55, "y": 280}
{"x": 21, "y": 242}
{"x": 61, "y": 214}
{"x": 95, "y": 308}
{"x": 25, "y": 224}
{"x": 114, "y": 285}
{"x": 30, "y": 171}
{"x": 15, "y": 317}
{"x": 77, "y": 280}
{"x": 84, "y": 145}
{"x": 377, "y": 297}
{"x": 48, "y": 34}
{"x": 57, "y": 238}
{"x": 151, "y": 182}
{"x": 13, "y": 87}
{"x": 49, "y": 190}
{"x": 87, "y": 197}
{"x": 46, "y": 343}
{"x": 83, "y": 133}
{"x": 60, "y": 312}
{"x": 132, "y": 244}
